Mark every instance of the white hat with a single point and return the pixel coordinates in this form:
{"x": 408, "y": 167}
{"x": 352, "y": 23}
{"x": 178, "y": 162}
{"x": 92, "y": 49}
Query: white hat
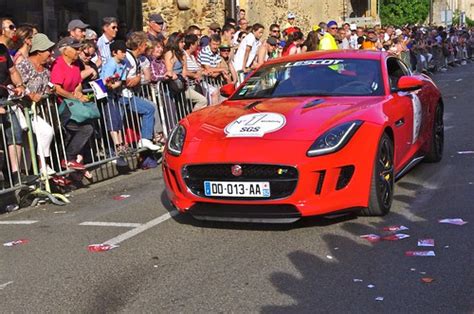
{"x": 398, "y": 32}
{"x": 291, "y": 15}
{"x": 353, "y": 27}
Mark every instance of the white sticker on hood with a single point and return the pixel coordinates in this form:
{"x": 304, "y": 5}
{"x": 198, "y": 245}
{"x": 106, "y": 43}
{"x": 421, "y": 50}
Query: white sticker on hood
{"x": 255, "y": 125}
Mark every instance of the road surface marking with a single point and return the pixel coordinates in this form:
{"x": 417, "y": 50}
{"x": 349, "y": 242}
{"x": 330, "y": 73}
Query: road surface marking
{"x": 129, "y": 234}
{"x": 3, "y": 286}
{"x": 110, "y": 224}
{"x": 17, "y": 222}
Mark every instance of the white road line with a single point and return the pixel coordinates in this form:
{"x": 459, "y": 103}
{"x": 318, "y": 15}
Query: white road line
{"x": 3, "y": 286}
{"x": 110, "y": 224}
{"x": 129, "y": 234}
{"x": 17, "y": 222}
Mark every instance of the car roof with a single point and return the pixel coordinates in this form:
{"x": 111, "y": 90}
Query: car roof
{"x": 333, "y": 54}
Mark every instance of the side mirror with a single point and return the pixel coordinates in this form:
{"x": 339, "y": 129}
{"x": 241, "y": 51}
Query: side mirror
{"x": 227, "y": 90}
{"x": 408, "y": 84}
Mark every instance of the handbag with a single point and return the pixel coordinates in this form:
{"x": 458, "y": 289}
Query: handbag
{"x": 78, "y": 111}
{"x": 177, "y": 86}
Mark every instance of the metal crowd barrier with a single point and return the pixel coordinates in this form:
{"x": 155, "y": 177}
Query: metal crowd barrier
{"x": 99, "y": 150}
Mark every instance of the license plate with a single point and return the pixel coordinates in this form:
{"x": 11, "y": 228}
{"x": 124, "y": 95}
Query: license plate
{"x": 237, "y": 189}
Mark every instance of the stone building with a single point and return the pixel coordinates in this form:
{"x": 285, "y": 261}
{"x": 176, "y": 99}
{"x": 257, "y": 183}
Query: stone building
{"x": 308, "y": 12}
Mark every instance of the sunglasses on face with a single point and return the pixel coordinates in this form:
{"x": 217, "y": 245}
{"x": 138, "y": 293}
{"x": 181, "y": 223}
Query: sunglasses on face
{"x": 225, "y": 50}
{"x": 11, "y": 27}
{"x": 333, "y": 28}
{"x": 275, "y": 31}
{"x": 115, "y": 27}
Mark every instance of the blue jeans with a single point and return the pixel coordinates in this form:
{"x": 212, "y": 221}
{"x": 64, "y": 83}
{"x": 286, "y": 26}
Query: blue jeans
{"x": 146, "y": 110}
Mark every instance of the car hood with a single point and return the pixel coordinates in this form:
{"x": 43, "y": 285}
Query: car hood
{"x": 305, "y": 118}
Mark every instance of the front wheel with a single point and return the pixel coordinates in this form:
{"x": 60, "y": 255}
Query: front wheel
{"x": 383, "y": 180}
{"x": 437, "y": 142}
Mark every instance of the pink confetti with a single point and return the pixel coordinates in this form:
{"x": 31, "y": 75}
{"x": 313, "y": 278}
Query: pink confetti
{"x": 395, "y": 228}
{"x": 420, "y": 253}
{"x": 371, "y": 237}
{"x": 16, "y": 242}
{"x": 101, "y": 247}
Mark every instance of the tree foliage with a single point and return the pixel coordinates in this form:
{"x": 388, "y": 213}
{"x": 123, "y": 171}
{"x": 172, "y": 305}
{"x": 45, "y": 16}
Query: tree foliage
{"x": 402, "y": 12}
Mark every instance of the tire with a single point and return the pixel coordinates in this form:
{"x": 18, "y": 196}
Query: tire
{"x": 383, "y": 180}
{"x": 435, "y": 153}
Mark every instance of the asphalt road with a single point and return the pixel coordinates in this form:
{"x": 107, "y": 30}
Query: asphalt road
{"x": 182, "y": 265}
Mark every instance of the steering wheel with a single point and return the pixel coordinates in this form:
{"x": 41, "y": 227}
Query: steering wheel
{"x": 358, "y": 85}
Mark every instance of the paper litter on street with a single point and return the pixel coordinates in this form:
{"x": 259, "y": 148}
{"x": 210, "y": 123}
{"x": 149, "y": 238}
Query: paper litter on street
{"x": 101, "y": 247}
{"x": 379, "y": 299}
{"x": 426, "y": 242}
{"x": 453, "y": 221}
{"x": 371, "y": 237}
{"x": 395, "y": 228}
{"x": 466, "y": 152}
{"x": 396, "y": 237}
{"x": 427, "y": 280}
{"x": 16, "y": 242}
{"x": 121, "y": 197}
{"x": 420, "y": 253}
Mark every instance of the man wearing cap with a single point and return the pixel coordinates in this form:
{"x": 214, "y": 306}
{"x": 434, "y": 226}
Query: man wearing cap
{"x": 265, "y": 51}
{"x": 155, "y": 27}
{"x": 328, "y": 42}
{"x": 110, "y": 29}
{"x": 66, "y": 77}
{"x": 77, "y": 29}
{"x": 290, "y": 21}
{"x": 214, "y": 28}
{"x": 36, "y": 77}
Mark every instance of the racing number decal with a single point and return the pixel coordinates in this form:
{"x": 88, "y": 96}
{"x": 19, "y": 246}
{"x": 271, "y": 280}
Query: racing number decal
{"x": 417, "y": 116}
{"x": 255, "y": 125}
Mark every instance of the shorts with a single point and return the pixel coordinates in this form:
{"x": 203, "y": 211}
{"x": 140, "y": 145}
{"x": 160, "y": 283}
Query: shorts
{"x": 12, "y": 129}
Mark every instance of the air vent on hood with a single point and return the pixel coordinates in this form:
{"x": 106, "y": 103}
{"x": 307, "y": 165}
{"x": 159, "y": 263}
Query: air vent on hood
{"x": 313, "y": 103}
{"x": 253, "y": 105}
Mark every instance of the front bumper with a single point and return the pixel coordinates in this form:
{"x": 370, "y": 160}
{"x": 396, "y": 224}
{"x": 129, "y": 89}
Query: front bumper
{"x": 325, "y": 184}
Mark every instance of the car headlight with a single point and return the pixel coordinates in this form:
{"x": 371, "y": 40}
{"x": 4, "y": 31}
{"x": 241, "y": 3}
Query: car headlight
{"x": 176, "y": 140}
{"x": 334, "y": 139}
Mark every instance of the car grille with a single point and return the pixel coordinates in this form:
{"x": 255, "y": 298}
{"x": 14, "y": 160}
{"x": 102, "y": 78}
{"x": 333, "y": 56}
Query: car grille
{"x": 282, "y": 179}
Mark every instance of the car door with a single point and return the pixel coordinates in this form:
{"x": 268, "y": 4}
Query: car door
{"x": 400, "y": 110}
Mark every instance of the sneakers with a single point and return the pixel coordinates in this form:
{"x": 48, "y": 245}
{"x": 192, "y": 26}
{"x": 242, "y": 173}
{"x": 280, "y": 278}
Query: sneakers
{"x": 146, "y": 143}
{"x": 48, "y": 170}
{"x": 61, "y": 181}
{"x": 73, "y": 165}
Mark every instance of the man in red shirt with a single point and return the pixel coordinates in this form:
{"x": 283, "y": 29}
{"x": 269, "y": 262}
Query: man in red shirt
{"x": 66, "y": 77}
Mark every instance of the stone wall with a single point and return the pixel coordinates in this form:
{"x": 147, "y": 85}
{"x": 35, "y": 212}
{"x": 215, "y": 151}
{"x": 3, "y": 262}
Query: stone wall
{"x": 202, "y": 12}
{"x": 308, "y": 12}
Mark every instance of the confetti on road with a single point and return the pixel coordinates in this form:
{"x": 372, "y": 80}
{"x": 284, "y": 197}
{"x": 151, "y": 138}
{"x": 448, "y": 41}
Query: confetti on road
{"x": 16, "y": 242}
{"x": 329, "y": 257}
{"x": 4, "y": 285}
{"x": 370, "y": 286}
{"x": 420, "y": 253}
{"x": 426, "y": 242}
{"x": 121, "y": 197}
{"x": 413, "y": 269}
{"x": 357, "y": 280}
{"x": 371, "y": 237}
{"x": 453, "y": 221}
{"x": 379, "y": 299}
{"x": 101, "y": 247}
{"x": 459, "y": 80}
{"x": 396, "y": 237}
{"x": 466, "y": 152}
{"x": 395, "y": 228}
{"x": 427, "y": 280}
{"x": 60, "y": 212}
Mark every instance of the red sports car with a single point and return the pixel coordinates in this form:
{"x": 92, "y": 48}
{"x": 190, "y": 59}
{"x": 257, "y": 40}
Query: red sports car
{"x": 306, "y": 135}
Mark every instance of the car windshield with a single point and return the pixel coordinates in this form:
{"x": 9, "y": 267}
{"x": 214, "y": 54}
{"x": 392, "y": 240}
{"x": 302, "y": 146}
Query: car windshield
{"x": 316, "y": 77}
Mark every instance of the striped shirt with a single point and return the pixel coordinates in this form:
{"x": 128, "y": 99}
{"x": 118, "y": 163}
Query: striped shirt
{"x": 207, "y": 57}
{"x": 103, "y": 45}
{"x": 191, "y": 63}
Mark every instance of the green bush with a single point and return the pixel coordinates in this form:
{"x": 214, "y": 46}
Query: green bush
{"x": 402, "y": 12}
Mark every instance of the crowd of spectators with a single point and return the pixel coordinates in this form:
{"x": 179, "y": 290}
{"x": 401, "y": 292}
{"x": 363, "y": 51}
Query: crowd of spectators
{"x": 193, "y": 60}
